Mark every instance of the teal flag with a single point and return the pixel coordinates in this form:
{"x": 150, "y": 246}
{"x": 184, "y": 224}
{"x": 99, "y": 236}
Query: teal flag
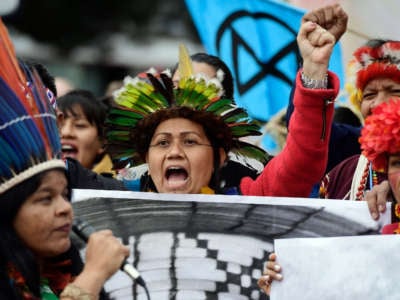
{"x": 257, "y": 40}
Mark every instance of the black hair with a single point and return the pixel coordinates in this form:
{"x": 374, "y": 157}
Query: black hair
{"x": 217, "y": 64}
{"x": 345, "y": 115}
{"x": 47, "y": 79}
{"x": 94, "y": 109}
{"x": 12, "y": 249}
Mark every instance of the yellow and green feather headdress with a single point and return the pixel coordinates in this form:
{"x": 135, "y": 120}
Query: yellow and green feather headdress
{"x": 152, "y": 92}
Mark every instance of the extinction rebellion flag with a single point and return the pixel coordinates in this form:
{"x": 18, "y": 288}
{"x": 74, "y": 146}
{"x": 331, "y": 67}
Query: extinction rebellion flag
{"x": 257, "y": 40}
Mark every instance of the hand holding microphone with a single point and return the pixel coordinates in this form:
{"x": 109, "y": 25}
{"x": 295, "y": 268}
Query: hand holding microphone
{"x": 103, "y": 247}
{"x": 104, "y": 254}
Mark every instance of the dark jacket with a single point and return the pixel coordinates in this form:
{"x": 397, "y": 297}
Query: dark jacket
{"x": 81, "y": 178}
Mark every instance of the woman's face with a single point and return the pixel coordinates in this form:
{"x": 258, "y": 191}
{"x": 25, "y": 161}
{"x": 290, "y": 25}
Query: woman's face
{"x": 79, "y": 138}
{"x": 44, "y": 220}
{"x": 394, "y": 175}
{"x": 180, "y": 157}
{"x": 377, "y": 91}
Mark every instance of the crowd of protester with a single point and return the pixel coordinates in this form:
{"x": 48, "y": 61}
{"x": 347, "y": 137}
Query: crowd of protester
{"x": 180, "y": 133}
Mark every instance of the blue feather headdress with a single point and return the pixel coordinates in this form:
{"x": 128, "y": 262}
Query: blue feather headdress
{"x": 153, "y": 93}
{"x": 29, "y": 141}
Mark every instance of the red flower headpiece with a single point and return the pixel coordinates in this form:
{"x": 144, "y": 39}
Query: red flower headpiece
{"x": 369, "y": 63}
{"x": 381, "y": 134}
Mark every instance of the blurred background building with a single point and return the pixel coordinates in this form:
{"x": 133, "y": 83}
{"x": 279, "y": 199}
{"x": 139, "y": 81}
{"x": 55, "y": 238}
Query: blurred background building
{"x": 93, "y": 42}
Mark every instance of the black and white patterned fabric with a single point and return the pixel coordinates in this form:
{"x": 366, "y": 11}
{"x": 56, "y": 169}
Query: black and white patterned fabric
{"x": 201, "y": 266}
{"x": 205, "y": 250}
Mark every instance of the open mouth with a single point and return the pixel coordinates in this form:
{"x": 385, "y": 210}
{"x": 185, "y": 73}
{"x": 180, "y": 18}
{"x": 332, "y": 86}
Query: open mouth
{"x": 69, "y": 150}
{"x": 176, "y": 176}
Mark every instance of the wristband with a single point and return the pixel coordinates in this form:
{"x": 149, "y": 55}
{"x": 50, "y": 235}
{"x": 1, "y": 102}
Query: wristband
{"x": 310, "y": 83}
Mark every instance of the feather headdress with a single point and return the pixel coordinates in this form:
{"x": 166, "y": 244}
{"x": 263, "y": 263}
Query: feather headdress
{"x": 29, "y": 141}
{"x": 369, "y": 62}
{"x": 140, "y": 98}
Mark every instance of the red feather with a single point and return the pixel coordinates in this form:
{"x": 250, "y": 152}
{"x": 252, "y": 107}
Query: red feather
{"x": 10, "y": 70}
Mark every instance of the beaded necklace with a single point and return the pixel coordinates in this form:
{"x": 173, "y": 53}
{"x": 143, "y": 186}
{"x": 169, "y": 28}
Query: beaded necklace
{"x": 373, "y": 180}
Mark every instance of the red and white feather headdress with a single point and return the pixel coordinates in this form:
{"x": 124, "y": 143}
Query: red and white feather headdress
{"x": 370, "y": 63}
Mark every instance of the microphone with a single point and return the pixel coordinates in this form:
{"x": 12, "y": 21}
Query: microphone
{"x": 83, "y": 229}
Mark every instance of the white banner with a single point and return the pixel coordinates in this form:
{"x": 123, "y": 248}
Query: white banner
{"x": 346, "y": 268}
{"x": 210, "y": 246}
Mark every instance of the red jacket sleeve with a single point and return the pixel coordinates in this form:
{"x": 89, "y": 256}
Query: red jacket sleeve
{"x": 302, "y": 162}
